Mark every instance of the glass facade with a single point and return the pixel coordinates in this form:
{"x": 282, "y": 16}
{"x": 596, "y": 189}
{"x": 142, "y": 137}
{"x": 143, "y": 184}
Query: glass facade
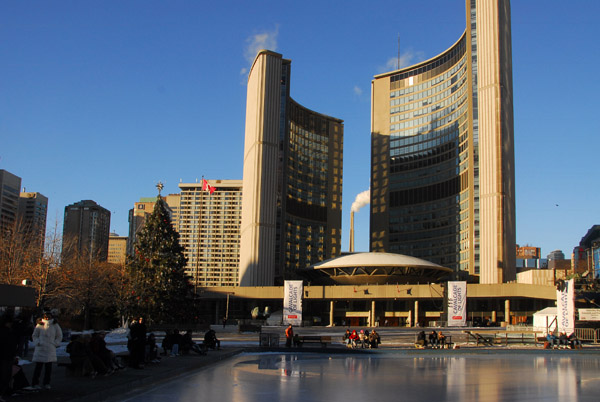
{"x": 429, "y": 160}
{"x": 442, "y": 153}
{"x": 311, "y": 195}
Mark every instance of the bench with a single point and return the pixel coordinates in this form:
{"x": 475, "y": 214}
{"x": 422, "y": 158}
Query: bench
{"x": 323, "y": 340}
{"x": 446, "y": 344}
{"x": 505, "y": 338}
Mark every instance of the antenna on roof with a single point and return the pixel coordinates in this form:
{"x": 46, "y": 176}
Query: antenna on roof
{"x": 398, "y": 51}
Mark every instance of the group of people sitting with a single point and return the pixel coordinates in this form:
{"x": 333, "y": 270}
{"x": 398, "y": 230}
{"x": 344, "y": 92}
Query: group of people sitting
{"x": 562, "y": 341}
{"x": 433, "y": 340}
{"x": 90, "y": 356}
{"x": 361, "y": 339}
{"x": 175, "y": 343}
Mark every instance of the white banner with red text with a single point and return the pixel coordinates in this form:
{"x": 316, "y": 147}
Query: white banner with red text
{"x": 457, "y": 304}
{"x": 292, "y": 302}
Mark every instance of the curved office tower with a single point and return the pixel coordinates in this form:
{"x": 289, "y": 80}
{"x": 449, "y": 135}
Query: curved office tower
{"x": 292, "y": 185}
{"x": 442, "y": 163}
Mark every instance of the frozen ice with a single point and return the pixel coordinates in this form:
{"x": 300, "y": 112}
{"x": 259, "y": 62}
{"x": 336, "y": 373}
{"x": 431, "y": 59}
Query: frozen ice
{"x": 307, "y": 377}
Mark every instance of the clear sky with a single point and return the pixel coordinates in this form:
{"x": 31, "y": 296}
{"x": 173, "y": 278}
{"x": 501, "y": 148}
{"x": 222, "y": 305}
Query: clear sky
{"x": 101, "y": 100}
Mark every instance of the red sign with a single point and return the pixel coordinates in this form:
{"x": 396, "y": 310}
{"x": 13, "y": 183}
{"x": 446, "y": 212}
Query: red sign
{"x": 292, "y": 316}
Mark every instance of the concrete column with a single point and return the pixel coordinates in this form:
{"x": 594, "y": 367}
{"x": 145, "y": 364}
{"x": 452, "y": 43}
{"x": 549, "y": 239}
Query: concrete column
{"x": 507, "y": 311}
{"x": 372, "y": 315}
{"x": 416, "y": 320}
{"x": 331, "y": 307}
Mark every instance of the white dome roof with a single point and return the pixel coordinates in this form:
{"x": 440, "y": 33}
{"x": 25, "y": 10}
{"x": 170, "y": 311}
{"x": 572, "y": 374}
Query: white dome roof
{"x": 377, "y": 260}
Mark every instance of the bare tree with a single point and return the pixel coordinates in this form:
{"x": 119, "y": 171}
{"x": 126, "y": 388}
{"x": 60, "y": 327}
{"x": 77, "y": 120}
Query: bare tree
{"x": 19, "y": 247}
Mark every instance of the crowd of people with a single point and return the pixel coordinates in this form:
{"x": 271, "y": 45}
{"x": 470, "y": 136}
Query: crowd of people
{"x": 14, "y": 343}
{"x": 434, "y": 340}
{"x": 88, "y": 352}
{"x": 361, "y": 339}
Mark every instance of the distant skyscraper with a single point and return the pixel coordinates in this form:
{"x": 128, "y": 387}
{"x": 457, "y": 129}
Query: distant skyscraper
{"x": 33, "y": 211}
{"x": 117, "y": 249}
{"x": 209, "y": 230}
{"x": 86, "y": 229}
{"x": 292, "y": 203}
{"x": 10, "y": 188}
{"x": 442, "y": 162}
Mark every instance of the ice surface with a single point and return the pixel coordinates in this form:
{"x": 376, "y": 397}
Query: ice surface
{"x": 307, "y": 377}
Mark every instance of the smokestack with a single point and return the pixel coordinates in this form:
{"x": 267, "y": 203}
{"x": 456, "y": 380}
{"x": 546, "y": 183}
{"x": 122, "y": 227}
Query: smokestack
{"x": 351, "y": 248}
{"x": 360, "y": 201}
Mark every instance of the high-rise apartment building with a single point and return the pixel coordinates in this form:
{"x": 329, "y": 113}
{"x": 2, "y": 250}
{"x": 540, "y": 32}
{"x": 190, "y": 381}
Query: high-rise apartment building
{"x": 117, "y": 249}
{"x": 143, "y": 208}
{"x": 209, "y": 230}
{"x": 442, "y": 163}
{"x": 292, "y": 202}
{"x": 10, "y": 188}
{"x": 33, "y": 211}
{"x": 86, "y": 229}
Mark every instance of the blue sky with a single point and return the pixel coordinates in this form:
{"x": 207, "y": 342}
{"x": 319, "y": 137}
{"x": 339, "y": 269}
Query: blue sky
{"x": 101, "y": 100}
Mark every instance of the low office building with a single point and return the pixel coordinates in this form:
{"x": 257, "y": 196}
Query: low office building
{"x": 117, "y": 249}
{"x": 384, "y": 305}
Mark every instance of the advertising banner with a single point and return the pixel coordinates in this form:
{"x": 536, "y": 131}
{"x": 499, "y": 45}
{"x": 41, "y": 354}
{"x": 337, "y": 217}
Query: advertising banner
{"x": 292, "y": 302}
{"x": 589, "y": 314}
{"x": 457, "y": 304}
{"x": 565, "y": 306}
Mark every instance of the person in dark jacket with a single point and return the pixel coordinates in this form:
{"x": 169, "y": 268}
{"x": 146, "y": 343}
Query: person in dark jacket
{"x": 137, "y": 340}
{"x": 374, "y": 339}
{"x": 8, "y": 352}
{"x": 187, "y": 344}
{"x": 421, "y": 339}
{"x": 23, "y": 330}
{"x": 81, "y": 356}
{"x": 211, "y": 341}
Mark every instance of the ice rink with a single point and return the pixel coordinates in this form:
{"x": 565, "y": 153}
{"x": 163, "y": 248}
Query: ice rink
{"x": 408, "y": 376}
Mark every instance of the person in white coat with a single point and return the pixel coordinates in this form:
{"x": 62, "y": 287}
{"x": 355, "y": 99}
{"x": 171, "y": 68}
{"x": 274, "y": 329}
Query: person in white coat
{"x": 47, "y": 336}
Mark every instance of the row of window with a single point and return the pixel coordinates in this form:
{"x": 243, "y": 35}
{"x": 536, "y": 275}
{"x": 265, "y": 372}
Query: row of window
{"x": 436, "y": 119}
{"x": 441, "y": 101}
{"x": 436, "y": 84}
{"x": 449, "y": 56}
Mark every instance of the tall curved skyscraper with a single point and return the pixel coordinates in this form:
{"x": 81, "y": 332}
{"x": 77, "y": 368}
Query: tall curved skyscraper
{"x": 442, "y": 155}
{"x": 292, "y": 185}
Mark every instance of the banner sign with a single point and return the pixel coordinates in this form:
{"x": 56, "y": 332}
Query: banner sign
{"x": 292, "y": 302}
{"x": 457, "y": 304}
{"x": 565, "y": 307}
{"x": 589, "y": 314}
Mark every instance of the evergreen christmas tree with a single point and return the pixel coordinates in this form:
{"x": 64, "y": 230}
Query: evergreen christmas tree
{"x": 160, "y": 290}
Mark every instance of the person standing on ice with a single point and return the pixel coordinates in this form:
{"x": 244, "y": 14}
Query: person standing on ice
{"x": 289, "y": 336}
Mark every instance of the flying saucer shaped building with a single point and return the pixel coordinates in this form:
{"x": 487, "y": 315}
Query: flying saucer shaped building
{"x": 375, "y": 268}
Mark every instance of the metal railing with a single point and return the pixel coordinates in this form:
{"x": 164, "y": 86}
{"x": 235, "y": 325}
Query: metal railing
{"x": 588, "y": 334}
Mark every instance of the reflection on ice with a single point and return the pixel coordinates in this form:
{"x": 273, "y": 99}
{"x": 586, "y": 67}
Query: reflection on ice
{"x": 388, "y": 376}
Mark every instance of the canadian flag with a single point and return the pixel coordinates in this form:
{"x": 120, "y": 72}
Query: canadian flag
{"x": 207, "y": 187}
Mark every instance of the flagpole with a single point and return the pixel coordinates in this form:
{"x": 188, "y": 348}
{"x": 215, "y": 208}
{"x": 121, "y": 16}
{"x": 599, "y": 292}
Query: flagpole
{"x": 198, "y": 242}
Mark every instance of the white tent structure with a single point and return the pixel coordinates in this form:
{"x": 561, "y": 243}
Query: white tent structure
{"x": 545, "y": 320}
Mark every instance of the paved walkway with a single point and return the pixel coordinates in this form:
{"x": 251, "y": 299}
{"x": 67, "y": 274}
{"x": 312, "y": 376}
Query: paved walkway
{"x": 69, "y": 387}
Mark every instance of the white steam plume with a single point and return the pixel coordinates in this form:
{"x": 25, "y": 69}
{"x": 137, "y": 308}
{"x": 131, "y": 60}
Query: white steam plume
{"x": 361, "y": 200}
